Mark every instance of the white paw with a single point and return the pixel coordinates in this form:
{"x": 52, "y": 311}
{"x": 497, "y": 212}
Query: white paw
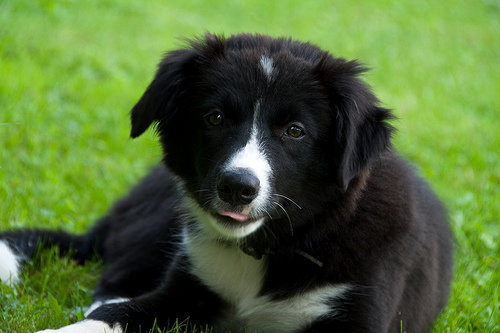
{"x": 9, "y": 265}
{"x": 87, "y": 326}
{"x": 97, "y": 304}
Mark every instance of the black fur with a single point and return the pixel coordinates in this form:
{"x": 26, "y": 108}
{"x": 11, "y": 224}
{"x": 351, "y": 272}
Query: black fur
{"x": 356, "y": 213}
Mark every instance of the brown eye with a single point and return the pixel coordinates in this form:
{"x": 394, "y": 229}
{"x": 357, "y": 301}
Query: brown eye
{"x": 215, "y": 118}
{"x": 295, "y": 131}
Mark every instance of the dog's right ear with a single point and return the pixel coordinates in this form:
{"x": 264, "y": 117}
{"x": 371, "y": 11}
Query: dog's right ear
{"x": 159, "y": 98}
{"x": 159, "y": 101}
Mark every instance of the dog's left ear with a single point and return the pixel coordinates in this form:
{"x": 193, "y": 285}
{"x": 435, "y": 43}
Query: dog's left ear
{"x": 362, "y": 131}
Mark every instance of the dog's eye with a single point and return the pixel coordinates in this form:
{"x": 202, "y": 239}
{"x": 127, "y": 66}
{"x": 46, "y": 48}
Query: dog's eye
{"x": 295, "y": 131}
{"x": 215, "y": 117}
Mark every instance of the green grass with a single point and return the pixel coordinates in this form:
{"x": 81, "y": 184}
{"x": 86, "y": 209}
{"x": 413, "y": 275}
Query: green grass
{"x": 71, "y": 70}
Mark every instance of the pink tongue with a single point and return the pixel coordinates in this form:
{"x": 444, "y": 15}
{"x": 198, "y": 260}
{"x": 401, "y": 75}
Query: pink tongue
{"x": 235, "y": 216}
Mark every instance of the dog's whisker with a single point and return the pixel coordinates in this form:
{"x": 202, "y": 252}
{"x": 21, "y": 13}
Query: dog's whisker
{"x": 267, "y": 230}
{"x": 288, "y": 216}
{"x": 242, "y": 242}
{"x": 207, "y": 203}
{"x": 275, "y": 209}
{"x": 287, "y": 198}
{"x": 202, "y": 190}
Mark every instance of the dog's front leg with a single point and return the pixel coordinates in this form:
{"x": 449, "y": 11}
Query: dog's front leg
{"x": 182, "y": 296}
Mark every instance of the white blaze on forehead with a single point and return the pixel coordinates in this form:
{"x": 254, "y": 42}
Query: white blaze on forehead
{"x": 252, "y": 155}
{"x": 253, "y": 158}
{"x": 267, "y": 66}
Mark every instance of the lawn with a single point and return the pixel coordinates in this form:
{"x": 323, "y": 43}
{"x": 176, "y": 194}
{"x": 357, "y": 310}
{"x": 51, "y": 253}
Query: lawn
{"x": 71, "y": 70}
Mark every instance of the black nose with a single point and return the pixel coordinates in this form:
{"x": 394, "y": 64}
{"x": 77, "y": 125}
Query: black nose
{"x": 238, "y": 186}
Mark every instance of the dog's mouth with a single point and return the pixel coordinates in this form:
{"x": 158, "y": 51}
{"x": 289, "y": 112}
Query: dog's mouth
{"x": 234, "y": 224}
{"x": 232, "y": 219}
{"x": 234, "y": 216}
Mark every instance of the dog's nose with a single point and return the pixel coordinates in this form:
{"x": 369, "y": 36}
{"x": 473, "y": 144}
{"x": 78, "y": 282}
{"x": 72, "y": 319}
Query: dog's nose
{"x": 238, "y": 187}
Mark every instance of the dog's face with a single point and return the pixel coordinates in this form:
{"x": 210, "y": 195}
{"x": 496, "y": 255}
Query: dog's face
{"x": 261, "y": 132}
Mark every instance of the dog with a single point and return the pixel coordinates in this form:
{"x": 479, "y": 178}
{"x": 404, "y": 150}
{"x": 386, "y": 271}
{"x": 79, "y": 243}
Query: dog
{"x": 280, "y": 204}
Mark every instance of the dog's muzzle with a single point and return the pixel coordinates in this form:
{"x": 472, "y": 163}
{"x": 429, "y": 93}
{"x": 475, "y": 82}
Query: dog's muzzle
{"x": 238, "y": 186}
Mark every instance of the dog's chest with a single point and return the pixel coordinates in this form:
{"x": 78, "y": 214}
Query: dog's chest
{"x": 237, "y": 278}
{"x": 229, "y": 272}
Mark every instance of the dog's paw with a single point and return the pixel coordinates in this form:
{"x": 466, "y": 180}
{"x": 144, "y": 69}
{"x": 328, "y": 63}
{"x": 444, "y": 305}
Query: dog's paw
{"x": 87, "y": 326}
{"x": 97, "y": 304}
{"x": 9, "y": 264}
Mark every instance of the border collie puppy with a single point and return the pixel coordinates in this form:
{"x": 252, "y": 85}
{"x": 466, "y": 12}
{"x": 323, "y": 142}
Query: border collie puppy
{"x": 281, "y": 205}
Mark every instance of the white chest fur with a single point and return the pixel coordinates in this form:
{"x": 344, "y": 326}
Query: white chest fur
{"x": 238, "y": 278}
{"x": 228, "y": 271}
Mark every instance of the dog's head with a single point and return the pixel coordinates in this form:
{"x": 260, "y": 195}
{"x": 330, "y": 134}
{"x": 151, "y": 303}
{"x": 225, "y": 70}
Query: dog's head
{"x": 262, "y": 132}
